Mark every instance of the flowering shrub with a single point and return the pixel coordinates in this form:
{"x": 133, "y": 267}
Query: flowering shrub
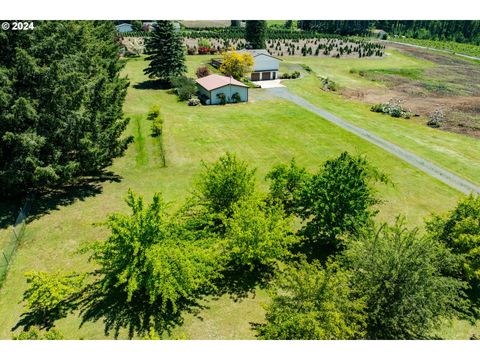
{"x": 392, "y": 108}
{"x": 203, "y": 50}
{"x": 194, "y": 101}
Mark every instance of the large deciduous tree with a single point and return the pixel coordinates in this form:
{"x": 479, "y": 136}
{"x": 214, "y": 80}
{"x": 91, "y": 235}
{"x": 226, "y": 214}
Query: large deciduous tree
{"x": 256, "y": 33}
{"x": 258, "y": 235}
{"x": 61, "y": 100}
{"x": 150, "y": 269}
{"x": 311, "y": 302}
{"x": 399, "y": 274}
{"x": 166, "y": 52}
{"x": 337, "y": 200}
{"x": 285, "y": 183}
{"x": 222, "y": 184}
{"x": 459, "y": 230}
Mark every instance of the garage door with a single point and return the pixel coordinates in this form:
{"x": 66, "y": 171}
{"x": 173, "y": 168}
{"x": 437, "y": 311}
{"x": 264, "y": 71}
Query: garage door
{"x": 266, "y": 75}
{"x": 255, "y": 76}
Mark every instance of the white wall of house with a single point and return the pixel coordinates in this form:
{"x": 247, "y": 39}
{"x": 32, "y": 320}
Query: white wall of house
{"x": 203, "y": 91}
{"x": 228, "y": 90}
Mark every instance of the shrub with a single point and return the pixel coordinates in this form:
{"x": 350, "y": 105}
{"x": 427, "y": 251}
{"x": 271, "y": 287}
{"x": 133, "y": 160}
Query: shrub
{"x": 185, "y": 87}
{"x": 223, "y": 98}
{"x": 293, "y": 75}
{"x": 202, "y": 50}
{"x": 236, "y": 64}
{"x": 437, "y": 118}
{"x": 306, "y": 68}
{"x": 50, "y": 297}
{"x": 157, "y": 126}
{"x": 236, "y": 97}
{"x": 194, "y": 101}
{"x": 154, "y": 112}
{"x": 204, "y": 43}
{"x": 328, "y": 84}
{"x": 392, "y": 108}
{"x": 202, "y": 72}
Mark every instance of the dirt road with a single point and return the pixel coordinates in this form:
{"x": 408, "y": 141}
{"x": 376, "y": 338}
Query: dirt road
{"x": 431, "y": 169}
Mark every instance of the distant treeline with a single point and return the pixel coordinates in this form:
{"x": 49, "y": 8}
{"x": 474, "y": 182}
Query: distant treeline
{"x": 466, "y": 31}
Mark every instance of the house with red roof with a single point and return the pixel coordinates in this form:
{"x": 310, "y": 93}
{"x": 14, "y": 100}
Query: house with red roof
{"x": 217, "y": 89}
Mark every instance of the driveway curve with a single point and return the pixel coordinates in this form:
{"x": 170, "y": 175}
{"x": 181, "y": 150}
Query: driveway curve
{"x": 426, "y": 166}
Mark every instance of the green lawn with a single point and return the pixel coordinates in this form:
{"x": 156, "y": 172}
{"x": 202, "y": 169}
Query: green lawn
{"x": 264, "y": 132}
{"x": 457, "y": 153}
{"x": 339, "y": 69}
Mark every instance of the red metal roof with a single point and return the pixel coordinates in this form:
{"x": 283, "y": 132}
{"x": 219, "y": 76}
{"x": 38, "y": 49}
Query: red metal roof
{"x": 216, "y": 81}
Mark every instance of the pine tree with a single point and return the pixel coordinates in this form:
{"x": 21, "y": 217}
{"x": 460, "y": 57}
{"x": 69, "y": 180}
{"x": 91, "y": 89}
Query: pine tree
{"x": 166, "y": 52}
{"x": 60, "y": 107}
{"x": 255, "y": 33}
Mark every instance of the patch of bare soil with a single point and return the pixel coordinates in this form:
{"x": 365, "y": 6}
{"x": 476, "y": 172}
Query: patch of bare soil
{"x": 453, "y": 86}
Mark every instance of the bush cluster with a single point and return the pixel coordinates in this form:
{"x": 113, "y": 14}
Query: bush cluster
{"x": 328, "y": 84}
{"x": 392, "y": 108}
{"x": 185, "y": 87}
{"x": 293, "y": 75}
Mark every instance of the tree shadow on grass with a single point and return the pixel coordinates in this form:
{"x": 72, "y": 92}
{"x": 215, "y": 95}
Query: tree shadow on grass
{"x": 139, "y": 316}
{"x": 153, "y": 85}
{"x": 9, "y": 209}
{"x": 86, "y": 187}
{"x": 44, "y": 321}
{"x": 239, "y": 282}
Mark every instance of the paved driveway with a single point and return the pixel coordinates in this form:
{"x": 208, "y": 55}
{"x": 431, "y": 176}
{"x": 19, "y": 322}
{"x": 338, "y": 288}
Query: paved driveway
{"x": 269, "y": 84}
{"x": 436, "y": 171}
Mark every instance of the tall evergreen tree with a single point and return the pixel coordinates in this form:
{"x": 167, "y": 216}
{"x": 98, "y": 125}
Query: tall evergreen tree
{"x": 61, "y": 100}
{"x": 166, "y": 52}
{"x": 255, "y": 33}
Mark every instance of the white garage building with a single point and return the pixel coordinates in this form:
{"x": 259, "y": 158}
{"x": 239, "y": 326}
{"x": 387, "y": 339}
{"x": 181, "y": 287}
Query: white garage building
{"x": 265, "y": 66}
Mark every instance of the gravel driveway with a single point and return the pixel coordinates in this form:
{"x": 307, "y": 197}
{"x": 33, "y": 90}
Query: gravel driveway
{"x": 436, "y": 171}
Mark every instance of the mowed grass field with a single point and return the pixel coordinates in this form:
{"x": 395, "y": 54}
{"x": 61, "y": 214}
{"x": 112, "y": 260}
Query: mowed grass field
{"x": 264, "y": 132}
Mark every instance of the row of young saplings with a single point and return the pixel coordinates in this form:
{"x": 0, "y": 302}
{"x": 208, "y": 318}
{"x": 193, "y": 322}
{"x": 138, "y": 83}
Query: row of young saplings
{"x": 317, "y": 47}
{"x": 307, "y": 47}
